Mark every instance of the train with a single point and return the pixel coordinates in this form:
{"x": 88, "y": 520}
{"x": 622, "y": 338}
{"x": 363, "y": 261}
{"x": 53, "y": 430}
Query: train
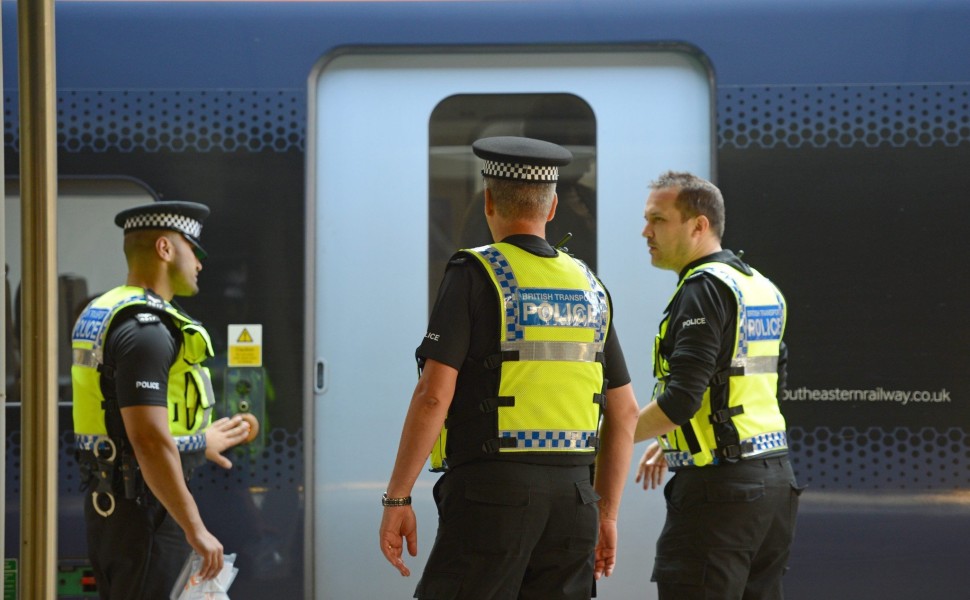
{"x": 332, "y": 142}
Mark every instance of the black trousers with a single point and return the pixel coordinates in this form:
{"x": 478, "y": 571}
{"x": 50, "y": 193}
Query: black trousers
{"x": 136, "y": 552}
{"x": 728, "y": 531}
{"x": 509, "y": 530}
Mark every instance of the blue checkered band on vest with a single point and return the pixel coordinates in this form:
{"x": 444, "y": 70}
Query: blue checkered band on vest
{"x": 729, "y": 279}
{"x": 676, "y": 460}
{"x": 184, "y": 443}
{"x": 600, "y": 298}
{"x": 186, "y": 225}
{"x": 766, "y": 442}
{"x": 519, "y": 171}
{"x": 549, "y": 438}
{"x": 754, "y": 447}
{"x": 510, "y": 287}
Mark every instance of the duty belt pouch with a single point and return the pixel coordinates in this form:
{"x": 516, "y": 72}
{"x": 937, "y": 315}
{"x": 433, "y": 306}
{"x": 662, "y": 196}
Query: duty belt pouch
{"x": 131, "y": 477}
{"x": 97, "y": 474}
{"x": 88, "y": 471}
{"x": 105, "y": 476}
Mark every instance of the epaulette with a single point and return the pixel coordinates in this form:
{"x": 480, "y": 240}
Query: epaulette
{"x": 145, "y": 318}
{"x": 154, "y": 301}
{"x": 458, "y": 259}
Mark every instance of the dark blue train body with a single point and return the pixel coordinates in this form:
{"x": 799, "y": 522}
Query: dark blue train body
{"x": 841, "y": 139}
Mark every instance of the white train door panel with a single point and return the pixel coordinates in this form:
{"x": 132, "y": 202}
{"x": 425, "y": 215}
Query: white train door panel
{"x": 376, "y": 230}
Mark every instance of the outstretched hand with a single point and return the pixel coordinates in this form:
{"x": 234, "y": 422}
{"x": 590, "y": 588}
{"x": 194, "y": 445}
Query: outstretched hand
{"x": 652, "y": 467}
{"x": 222, "y": 435}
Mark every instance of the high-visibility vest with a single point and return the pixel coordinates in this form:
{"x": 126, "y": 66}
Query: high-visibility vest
{"x": 554, "y": 318}
{"x": 190, "y": 394}
{"x": 747, "y": 421}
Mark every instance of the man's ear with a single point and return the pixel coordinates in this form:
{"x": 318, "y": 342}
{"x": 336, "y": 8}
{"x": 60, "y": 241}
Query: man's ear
{"x": 164, "y": 247}
{"x": 552, "y": 209}
{"x": 702, "y": 225}
{"x": 489, "y": 203}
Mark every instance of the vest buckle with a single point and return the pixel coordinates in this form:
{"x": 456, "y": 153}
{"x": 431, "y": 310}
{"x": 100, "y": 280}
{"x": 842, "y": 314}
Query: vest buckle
{"x": 495, "y": 361}
{"x": 730, "y": 453}
{"x": 724, "y": 415}
{"x": 495, "y": 444}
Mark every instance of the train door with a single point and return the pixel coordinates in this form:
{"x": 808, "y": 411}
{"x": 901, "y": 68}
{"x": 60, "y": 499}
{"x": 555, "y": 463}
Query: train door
{"x": 394, "y": 189}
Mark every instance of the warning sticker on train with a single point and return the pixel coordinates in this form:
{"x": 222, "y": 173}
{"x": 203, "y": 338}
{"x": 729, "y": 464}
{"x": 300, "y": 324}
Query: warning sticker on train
{"x": 245, "y": 346}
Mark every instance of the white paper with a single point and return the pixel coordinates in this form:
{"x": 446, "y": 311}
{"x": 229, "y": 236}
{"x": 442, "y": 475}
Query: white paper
{"x": 189, "y": 586}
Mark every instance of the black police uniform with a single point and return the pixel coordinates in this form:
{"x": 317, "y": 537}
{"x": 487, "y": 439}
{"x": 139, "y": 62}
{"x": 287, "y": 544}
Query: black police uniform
{"x": 510, "y": 526}
{"x": 138, "y": 550}
{"x": 729, "y": 527}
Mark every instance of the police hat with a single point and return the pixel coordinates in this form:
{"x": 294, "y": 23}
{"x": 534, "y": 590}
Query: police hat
{"x": 175, "y": 215}
{"x": 521, "y": 158}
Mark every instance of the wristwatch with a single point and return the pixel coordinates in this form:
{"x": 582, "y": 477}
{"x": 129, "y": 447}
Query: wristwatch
{"x": 405, "y": 501}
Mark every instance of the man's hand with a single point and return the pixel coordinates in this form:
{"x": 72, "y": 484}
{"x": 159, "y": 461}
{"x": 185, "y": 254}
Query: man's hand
{"x": 222, "y": 435}
{"x": 399, "y": 522}
{"x": 652, "y": 467}
{"x": 605, "y": 549}
{"x": 209, "y": 548}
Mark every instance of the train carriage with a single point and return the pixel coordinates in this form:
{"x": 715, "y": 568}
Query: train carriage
{"x": 331, "y": 140}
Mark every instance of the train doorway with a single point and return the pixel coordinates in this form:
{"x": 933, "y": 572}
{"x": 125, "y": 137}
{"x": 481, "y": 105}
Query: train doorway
{"x": 392, "y": 192}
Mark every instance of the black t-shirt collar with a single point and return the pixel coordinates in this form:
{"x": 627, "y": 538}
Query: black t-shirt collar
{"x": 722, "y": 256}
{"x": 531, "y": 243}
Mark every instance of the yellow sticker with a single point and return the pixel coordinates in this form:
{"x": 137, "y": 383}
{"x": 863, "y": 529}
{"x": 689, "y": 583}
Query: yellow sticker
{"x": 245, "y": 346}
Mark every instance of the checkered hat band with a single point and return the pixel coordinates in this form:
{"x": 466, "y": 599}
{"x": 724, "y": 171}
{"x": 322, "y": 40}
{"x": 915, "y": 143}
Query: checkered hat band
{"x": 504, "y": 170}
{"x": 186, "y": 225}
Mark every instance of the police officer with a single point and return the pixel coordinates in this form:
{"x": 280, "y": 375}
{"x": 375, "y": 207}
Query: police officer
{"x": 519, "y": 364}
{"x": 143, "y": 407}
{"x": 720, "y": 362}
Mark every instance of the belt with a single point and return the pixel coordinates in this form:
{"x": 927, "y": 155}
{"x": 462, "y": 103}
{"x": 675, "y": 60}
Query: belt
{"x": 99, "y": 454}
{"x": 752, "y": 447}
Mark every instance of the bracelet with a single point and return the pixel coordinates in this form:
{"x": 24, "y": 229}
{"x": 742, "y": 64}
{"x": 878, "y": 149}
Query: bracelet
{"x": 405, "y": 501}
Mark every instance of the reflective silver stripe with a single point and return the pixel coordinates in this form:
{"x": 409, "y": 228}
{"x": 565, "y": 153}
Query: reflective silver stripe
{"x": 184, "y": 443}
{"x": 209, "y": 393}
{"x": 758, "y": 444}
{"x": 549, "y": 439}
{"x": 756, "y": 365}
{"x": 86, "y": 358}
{"x": 563, "y": 351}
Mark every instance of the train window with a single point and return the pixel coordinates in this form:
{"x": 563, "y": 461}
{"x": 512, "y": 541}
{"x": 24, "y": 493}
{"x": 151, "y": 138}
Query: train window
{"x": 89, "y": 256}
{"x": 455, "y": 214}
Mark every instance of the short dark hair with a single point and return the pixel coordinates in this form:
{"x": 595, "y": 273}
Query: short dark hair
{"x": 695, "y": 196}
{"x": 521, "y": 199}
